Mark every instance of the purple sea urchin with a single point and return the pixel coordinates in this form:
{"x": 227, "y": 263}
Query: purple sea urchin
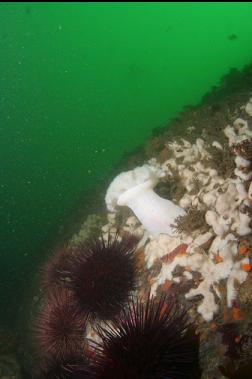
{"x": 103, "y": 273}
{"x": 152, "y": 340}
{"x": 59, "y": 328}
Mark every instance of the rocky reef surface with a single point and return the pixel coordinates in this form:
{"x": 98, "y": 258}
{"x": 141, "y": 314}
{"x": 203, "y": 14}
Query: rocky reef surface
{"x": 205, "y": 157}
{"x": 204, "y": 163}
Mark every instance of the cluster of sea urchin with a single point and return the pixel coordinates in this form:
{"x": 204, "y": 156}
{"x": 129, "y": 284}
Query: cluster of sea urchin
{"x": 103, "y": 274}
{"x": 152, "y": 340}
{"x": 142, "y": 341}
{"x": 91, "y": 280}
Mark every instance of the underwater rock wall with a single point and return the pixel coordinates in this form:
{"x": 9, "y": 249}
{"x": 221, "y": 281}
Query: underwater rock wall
{"x": 202, "y": 165}
{"x": 214, "y": 254}
{"x": 208, "y": 262}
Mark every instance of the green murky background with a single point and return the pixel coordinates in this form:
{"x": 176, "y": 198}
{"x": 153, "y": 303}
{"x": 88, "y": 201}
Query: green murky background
{"x": 82, "y": 83}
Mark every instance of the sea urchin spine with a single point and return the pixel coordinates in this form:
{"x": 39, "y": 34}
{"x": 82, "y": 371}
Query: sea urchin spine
{"x": 103, "y": 274}
{"x": 152, "y": 340}
{"x": 54, "y": 273}
{"x": 68, "y": 368}
{"x": 59, "y": 329}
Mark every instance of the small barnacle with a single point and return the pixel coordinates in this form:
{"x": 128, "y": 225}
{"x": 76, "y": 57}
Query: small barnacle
{"x": 244, "y": 149}
{"x": 194, "y": 219}
{"x": 223, "y": 161}
{"x": 196, "y": 184}
{"x": 245, "y": 209}
{"x": 171, "y": 187}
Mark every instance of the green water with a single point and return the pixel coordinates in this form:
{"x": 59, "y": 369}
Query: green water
{"x": 82, "y": 83}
